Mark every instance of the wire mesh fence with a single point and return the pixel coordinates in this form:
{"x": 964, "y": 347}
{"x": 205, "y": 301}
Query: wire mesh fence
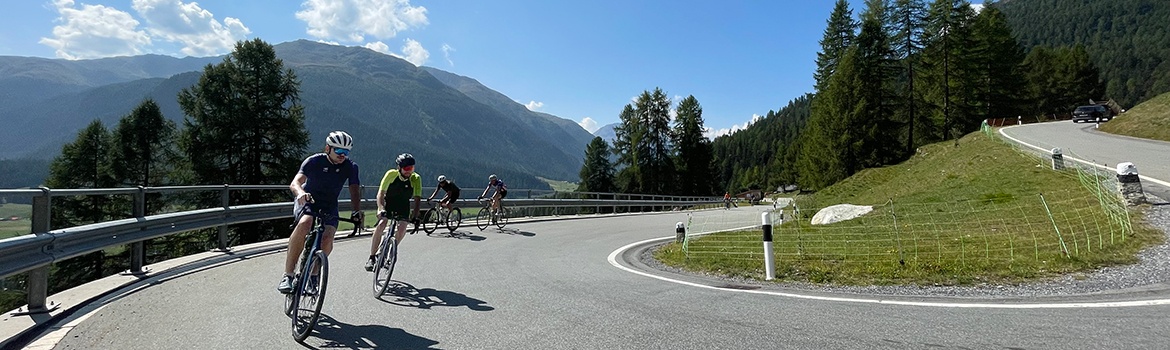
{"x": 1087, "y": 222}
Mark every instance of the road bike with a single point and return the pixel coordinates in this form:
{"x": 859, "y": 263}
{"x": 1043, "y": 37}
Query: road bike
{"x": 438, "y": 215}
{"x": 386, "y": 257}
{"x": 310, "y": 283}
{"x": 486, "y": 217}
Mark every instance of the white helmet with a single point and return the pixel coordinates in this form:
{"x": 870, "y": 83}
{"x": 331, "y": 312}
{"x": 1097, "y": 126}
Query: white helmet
{"x": 492, "y": 177}
{"x": 339, "y": 139}
{"x": 442, "y": 178}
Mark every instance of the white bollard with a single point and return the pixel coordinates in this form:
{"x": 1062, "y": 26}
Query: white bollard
{"x": 769, "y": 260}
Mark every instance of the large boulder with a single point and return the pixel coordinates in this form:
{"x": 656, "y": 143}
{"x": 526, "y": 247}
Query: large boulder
{"x": 839, "y": 212}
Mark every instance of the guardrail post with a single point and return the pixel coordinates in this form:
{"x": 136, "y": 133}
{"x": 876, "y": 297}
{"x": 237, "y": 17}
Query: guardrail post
{"x": 1130, "y": 183}
{"x": 138, "y": 249}
{"x": 680, "y": 232}
{"x": 38, "y": 278}
{"x": 769, "y": 259}
{"x": 225, "y": 201}
{"x": 1057, "y": 159}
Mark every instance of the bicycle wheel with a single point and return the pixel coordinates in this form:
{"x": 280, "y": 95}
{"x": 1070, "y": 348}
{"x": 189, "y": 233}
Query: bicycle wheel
{"x": 502, "y": 218}
{"x": 310, "y": 296}
{"x": 454, "y": 218}
{"x": 430, "y": 221}
{"x": 384, "y": 268}
{"x": 483, "y": 219}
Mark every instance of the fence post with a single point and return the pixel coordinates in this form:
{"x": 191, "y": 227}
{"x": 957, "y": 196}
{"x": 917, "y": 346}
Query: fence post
{"x": 680, "y": 232}
{"x": 138, "y": 249}
{"x": 38, "y": 278}
{"x": 224, "y": 200}
{"x": 769, "y": 259}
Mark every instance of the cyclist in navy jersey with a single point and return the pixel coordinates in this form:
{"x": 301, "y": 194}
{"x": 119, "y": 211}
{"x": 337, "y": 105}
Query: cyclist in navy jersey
{"x": 319, "y": 182}
{"x": 501, "y": 191}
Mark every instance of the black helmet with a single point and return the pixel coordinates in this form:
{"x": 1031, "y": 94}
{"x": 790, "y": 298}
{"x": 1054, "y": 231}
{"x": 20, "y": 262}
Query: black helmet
{"x": 404, "y": 159}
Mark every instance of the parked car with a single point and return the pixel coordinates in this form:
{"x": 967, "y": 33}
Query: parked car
{"x": 1091, "y": 113}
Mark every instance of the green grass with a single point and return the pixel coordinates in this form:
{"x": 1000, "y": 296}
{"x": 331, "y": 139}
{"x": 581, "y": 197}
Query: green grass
{"x": 19, "y": 227}
{"x": 1149, "y": 120}
{"x": 965, "y": 214}
{"x": 560, "y": 186}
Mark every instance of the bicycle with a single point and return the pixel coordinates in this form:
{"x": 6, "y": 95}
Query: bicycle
{"x": 486, "y": 218}
{"x": 451, "y": 218}
{"x": 303, "y": 305}
{"x": 387, "y": 257}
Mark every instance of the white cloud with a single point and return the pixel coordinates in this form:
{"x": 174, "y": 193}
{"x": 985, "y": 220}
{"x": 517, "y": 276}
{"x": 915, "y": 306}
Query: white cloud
{"x": 378, "y": 46}
{"x": 413, "y": 52}
{"x": 353, "y": 20}
{"x": 977, "y": 7}
{"x": 534, "y": 106}
{"x": 447, "y": 50}
{"x": 191, "y": 26}
{"x": 712, "y": 133}
{"x": 589, "y": 125}
{"x": 95, "y": 31}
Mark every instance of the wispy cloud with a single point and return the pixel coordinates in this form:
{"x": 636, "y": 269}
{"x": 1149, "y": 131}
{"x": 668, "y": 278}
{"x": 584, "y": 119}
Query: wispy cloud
{"x": 447, "y": 50}
{"x": 534, "y": 106}
{"x": 378, "y": 46}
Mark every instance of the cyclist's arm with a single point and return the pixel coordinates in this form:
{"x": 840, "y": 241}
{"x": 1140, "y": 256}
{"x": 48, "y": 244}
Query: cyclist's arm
{"x": 485, "y": 191}
{"x": 416, "y": 183}
{"x": 433, "y": 194}
{"x": 298, "y": 186}
{"x": 386, "y": 179}
{"x": 355, "y": 188}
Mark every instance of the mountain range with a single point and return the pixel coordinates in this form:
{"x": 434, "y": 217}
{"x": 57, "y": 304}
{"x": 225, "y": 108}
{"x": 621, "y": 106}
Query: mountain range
{"x": 453, "y": 124}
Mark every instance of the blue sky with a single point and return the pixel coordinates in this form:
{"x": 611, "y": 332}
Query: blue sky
{"x": 578, "y": 60}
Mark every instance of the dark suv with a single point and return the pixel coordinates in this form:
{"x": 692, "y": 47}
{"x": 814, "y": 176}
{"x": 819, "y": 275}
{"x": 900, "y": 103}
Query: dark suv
{"x": 1091, "y": 114}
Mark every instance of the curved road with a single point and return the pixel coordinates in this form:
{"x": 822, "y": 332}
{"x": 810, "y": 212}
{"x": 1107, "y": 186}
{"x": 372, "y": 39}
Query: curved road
{"x": 1084, "y": 142}
{"x": 549, "y": 285}
{"x": 552, "y": 285}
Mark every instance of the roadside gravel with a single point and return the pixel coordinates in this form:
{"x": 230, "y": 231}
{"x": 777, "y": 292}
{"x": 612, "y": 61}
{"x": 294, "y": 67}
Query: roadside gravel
{"x": 1153, "y": 269}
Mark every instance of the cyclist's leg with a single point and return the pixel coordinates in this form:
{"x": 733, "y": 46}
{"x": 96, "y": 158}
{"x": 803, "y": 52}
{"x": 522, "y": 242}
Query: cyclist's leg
{"x": 401, "y": 231}
{"x": 327, "y": 240}
{"x": 296, "y": 243}
{"x": 496, "y": 202}
{"x": 377, "y": 236}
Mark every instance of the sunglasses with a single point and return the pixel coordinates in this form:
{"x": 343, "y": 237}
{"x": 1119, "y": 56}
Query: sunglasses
{"x": 341, "y": 151}
{"x": 408, "y": 168}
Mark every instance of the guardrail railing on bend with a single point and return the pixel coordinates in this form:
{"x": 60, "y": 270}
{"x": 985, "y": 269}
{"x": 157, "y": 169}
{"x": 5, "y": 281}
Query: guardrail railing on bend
{"x": 33, "y": 253}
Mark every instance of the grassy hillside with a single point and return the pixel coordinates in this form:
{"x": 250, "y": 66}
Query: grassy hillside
{"x": 977, "y": 212}
{"x": 1149, "y": 120}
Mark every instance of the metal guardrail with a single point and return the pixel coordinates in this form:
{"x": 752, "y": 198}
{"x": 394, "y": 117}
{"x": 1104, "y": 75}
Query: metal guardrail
{"x": 33, "y": 253}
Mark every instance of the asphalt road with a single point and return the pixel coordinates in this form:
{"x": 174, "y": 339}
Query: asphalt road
{"x": 549, "y": 285}
{"x": 1084, "y": 142}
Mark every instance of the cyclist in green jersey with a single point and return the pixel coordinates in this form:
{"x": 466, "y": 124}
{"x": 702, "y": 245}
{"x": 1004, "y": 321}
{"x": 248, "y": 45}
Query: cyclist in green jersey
{"x": 394, "y": 194}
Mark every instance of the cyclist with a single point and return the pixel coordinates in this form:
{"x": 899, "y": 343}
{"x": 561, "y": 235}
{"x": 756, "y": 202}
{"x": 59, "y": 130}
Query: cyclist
{"x": 319, "y": 182}
{"x": 450, "y": 188}
{"x": 726, "y": 200}
{"x": 501, "y": 192}
{"x": 398, "y": 187}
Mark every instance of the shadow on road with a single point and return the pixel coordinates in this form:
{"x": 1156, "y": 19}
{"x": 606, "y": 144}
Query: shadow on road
{"x": 517, "y": 232}
{"x": 333, "y": 334}
{"x": 404, "y": 294}
{"x": 458, "y": 234}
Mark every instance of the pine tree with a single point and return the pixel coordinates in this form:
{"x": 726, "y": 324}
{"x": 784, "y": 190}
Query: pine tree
{"x": 658, "y": 172}
{"x": 83, "y": 163}
{"x": 908, "y": 17}
{"x": 626, "y": 146}
{"x": 244, "y": 125}
{"x": 830, "y": 141}
{"x": 838, "y": 37}
{"x": 694, "y": 153}
{"x": 998, "y": 58}
{"x": 597, "y": 174}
